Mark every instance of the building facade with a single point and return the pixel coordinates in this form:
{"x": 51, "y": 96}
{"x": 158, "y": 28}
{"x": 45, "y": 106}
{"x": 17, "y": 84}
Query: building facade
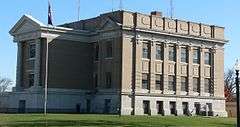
{"x": 120, "y": 62}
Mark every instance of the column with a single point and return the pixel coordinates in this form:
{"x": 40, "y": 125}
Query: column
{"x": 190, "y": 71}
{"x": 153, "y": 108}
{"x": 178, "y": 70}
{"x": 138, "y": 65}
{"x": 213, "y": 66}
{"x": 152, "y": 67}
{"x": 165, "y": 69}
{"x": 19, "y": 67}
{"x": 179, "y": 107}
{"x": 201, "y": 71}
{"x": 37, "y": 64}
{"x": 166, "y": 108}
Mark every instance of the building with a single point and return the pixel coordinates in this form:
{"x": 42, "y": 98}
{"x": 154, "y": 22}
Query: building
{"x": 120, "y": 62}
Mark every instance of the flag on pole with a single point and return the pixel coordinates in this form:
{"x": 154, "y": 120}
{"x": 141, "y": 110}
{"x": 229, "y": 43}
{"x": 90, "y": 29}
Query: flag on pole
{"x": 49, "y": 14}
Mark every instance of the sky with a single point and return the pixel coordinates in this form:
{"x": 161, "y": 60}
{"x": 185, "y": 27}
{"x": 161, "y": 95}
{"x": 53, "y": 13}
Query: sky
{"x": 224, "y": 13}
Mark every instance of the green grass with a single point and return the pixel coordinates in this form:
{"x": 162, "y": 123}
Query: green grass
{"x": 70, "y": 120}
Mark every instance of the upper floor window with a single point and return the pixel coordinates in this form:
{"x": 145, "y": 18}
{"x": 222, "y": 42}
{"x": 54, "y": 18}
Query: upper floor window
{"x": 145, "y": 81}
{"x": 159, "y": 84}
{"x": 96, "y": 52}
{"x": 159, "y": 52}
{"x": 108, "y": 79}
{"x": 196, "y": 85}
{"x": 196, "y": 56}
{"x": 207, "y": 85}
{"x": 109, "y": 49}
{"x": 171, "y": 53}
{"x": 146, "y": 50}
{"x": 184, "y": 54}
{"x": 95, "y": 78}
{"x": 184, "y": 84}
{"x": 171, "y": 83}
{"x": 32, "y": 51}
{"x": 207, "y": 58}
{"x": 31, "y": 79}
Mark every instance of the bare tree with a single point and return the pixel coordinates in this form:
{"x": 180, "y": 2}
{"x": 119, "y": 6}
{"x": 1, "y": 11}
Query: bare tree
{"x": 5, "y": 83}
{"x": 229, "y": 84}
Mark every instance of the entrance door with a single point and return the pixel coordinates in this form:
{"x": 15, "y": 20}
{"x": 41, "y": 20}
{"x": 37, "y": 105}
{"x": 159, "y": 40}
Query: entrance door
{"x": 22, "y": 106}
{"x": 197, "y": 108}
{"x": 146, "y": 107}
{"x": 160, "y": 107}
{"x": 173, "y": 108}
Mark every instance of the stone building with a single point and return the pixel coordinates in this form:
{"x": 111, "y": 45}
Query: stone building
{"x": 120, "y": 62}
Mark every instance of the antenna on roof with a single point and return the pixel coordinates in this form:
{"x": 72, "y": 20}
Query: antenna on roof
{"x": 78, "y": 10}
{"x": 120, "y": 5}
{"x": 171, "y": 9}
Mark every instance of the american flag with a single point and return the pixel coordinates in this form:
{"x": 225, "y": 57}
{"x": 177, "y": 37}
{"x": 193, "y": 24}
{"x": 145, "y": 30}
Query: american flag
{"x": 49, "y": 14}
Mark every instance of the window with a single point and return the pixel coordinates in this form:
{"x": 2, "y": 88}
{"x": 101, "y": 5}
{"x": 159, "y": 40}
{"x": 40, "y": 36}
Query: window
{"x": 196, "y": 85}
{"x": 184, "y": 84}
{"x": 107, "y": 105}
{"x": 159, "y": 85}
{"x": 173, "y": 108}
{"x": 159, "y": 52}
{"x": 31, "y": 80}
{"x": 109, "y": 49}
{"x": 32, "y": 51}
{"x": 196, "y": 56}
{"x": 108, "y": 79}
{"x": 185, "y": 108}
{"x": 171, "y": 83}
{"x": 207, "y": 58}
{"x": 95, "y": 78}
{"x": 197, "y": 107}
{"x": 96, "y": 52}
{"x": 160, "y": 107}
{"x": 146, "y": 51}
{"x": 145, "y": 81}
{"x": 146, "y": 107}
{"x": 172, "y": 53}
{"x": 207, "y": 85}
{"x": 184, "y": 55}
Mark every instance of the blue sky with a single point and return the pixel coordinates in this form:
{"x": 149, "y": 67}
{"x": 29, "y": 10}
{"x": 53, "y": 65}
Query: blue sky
{"x": 219, "y": 12}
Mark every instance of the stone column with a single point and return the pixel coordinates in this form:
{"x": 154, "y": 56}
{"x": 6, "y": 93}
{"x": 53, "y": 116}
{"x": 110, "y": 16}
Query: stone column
{"x": 19, "y": 67}
{"x": 212, "y": 73}
{"x": 178, "y": 70}
{"x": 201, "y": 75}
{"x": 165, "y": 69}
{"x": 179, "y": 107}
{"x": 37, "y": 64}
{"x": 152, "y": 67}
{"x": 166, "y": 107}
{"x": 153, "y": 108}
{"x": 190, "y": 71}
{"x": 138, "y": 66}
{"x": 191, "y": 107}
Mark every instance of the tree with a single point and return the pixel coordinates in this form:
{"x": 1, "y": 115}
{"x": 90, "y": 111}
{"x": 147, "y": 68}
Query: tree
{"x": 5, "y": 83}
{"x": 229, "y": 84}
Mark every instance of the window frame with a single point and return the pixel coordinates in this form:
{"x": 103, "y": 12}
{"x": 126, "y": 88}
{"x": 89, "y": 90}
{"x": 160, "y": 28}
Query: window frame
{"x": 184, "y": 55}
{"x": 196, "y": 56}
{"x": 184, "y": 85}
{"x": 109, "y": 49}
{"x": 108, "y": 80}
{"x": 207, "y": 59}
{"x": 158, "y": 82}
{"x": 172, "y": 84}
{"x": 145, "y": 82}
{"x": 30, "y": 46}
{"x": 159, "y": 52}
{"x": 172, "y": 53}
{"x": 146, "y": 50}
{"x": 196, "y": 87}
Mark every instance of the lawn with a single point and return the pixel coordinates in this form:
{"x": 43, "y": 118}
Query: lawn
{"x": 70, "y": 120}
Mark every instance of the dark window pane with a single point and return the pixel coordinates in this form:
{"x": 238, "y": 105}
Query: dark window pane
{"x": 146, "y": 51}
{"x": 159, "y": 84}
{"x": 171, "y": 83}
{"x": 108, "y": 79}
{"x": 172, "y": 53}
{"x": 184, "y": 55}
{"x": 159, "y": 52}
{"x": 96, "y": 54}
{"x": 32, "y": 51}
{"x": 207, "y": 85}
{"x": 196, "y": 56}
{"x": 196, "y": 85}
{"x": 31, "y": 79}
{"x": 109, "y": 49}
{"x": 207, "y": 58}
{"x": 184, "y": 84}
{"x": 145, "y": 81}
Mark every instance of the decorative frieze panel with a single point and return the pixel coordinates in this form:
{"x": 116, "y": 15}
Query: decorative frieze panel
{"x": 194, "y": 29}
{"x": 196, "y": 70}
{"x": 182, "y": 27}
{"x": 145, "y": 66}
{"x": 207, "y": 71}
{"x": 170, "y": 25}
{"x": 184, "y": 70}
{"x": 171, "y": 68}
{"x": 206, "y": 31}
{"x": 158, "y": 67}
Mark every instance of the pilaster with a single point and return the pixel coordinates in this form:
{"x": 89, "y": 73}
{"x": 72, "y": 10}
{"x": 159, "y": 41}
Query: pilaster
{"x": 138, "y": 65}
{"x": 166, "y": 108}
{"x": 152, "y": 67}
{"x": 165, "y": 69}
{"x": 201, "y": 72}
{"x": 19, "y": 67}
{"x": 190, "y": 71}
{"x": 178, "y": 70}
{"x": 37, "y": 63}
